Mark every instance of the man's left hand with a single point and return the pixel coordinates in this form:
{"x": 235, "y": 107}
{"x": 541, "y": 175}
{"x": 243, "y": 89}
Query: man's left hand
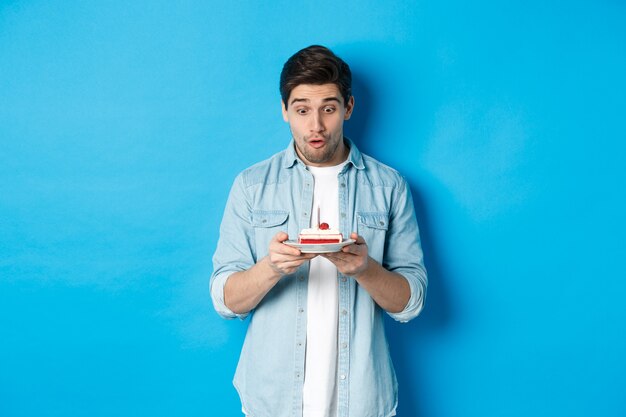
{"x": 353, "y": 259}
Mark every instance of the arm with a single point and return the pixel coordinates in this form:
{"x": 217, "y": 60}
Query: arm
{"x": 240, "y": 278}
{"x": 400, "y": 269}
{"x": 244, "y": 290}
{"x": 390, "y": 290}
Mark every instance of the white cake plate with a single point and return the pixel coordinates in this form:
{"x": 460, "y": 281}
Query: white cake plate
{"x": 319, "y": 248}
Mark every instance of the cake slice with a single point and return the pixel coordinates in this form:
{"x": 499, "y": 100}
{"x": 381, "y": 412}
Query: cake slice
{"x": 320, "y": 235}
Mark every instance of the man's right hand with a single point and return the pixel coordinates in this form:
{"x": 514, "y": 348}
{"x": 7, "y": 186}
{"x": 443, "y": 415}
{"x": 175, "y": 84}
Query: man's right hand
{"x": 244, "y": 290}
{"x": 285, "y": 259}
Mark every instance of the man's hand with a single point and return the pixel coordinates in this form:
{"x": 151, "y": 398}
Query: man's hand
{"x": 390, "y": 290}
{"x": 284, "y": 259}
{"x": 244, "y": 290}
{"x": 353, "y": 259}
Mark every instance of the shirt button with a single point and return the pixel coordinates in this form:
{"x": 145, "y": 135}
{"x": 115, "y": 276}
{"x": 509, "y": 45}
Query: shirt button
{"x": 343, "y": 185}
{"x": 344, "y": 345}
{"x": 343, "y": 215}
{"x": 301, "y": 278}
{"x": 342, "y": 377}
{"x": 344, "y": 312}
{"x": 301, "y": 310}
{"x": 344, "y": 279}
{"x": 305, "y": 214}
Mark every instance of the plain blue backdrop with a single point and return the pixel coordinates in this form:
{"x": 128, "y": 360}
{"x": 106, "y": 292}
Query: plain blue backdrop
{"x": 123, "y": 125}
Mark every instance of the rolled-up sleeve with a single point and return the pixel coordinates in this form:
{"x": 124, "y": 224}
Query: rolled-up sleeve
{"x": 235, "y": 248}
{"x": 403, "y": 252}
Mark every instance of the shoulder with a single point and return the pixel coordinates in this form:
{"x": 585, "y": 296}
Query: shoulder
{"x": 268, "y": 170}
{"x": 378, "y": 174}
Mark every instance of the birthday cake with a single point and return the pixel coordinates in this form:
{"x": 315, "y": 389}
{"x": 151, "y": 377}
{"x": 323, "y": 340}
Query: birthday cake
{"x": 322, "y": 234}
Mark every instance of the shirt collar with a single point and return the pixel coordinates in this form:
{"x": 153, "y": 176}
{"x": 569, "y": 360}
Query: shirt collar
{"x": 354, "y": 157}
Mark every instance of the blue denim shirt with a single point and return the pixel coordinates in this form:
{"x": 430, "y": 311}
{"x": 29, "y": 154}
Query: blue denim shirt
{"x": 277, "y": 195}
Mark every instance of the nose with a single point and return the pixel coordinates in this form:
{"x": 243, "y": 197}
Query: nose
{"x": 316, "y": 123}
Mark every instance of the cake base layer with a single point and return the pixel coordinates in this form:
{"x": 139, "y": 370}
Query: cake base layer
{"x": 318, "y": 241}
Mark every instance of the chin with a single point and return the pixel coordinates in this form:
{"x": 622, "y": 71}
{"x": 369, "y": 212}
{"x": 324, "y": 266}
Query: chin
{"x": 318, "y": 159}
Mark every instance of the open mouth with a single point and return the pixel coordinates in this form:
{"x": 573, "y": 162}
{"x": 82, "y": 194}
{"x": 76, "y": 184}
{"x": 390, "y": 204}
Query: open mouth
{"x": 317, "y": 143}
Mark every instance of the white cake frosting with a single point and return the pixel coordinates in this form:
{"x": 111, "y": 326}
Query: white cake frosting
{"x": 316, "y": 231}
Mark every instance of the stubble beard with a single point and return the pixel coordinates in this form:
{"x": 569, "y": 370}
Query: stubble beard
{"x": 317, "y": 158}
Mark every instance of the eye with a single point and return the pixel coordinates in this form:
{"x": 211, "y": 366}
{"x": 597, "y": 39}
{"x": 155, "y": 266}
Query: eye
{"x": 328, "y": 109}
{"x": 302, "y": 111}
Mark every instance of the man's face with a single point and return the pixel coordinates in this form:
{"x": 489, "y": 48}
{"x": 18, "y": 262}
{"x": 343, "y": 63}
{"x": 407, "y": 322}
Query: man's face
{"x": 315, "y": 114}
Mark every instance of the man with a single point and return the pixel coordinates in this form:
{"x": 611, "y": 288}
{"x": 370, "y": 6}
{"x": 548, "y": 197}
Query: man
{"x": 315, "y": 345}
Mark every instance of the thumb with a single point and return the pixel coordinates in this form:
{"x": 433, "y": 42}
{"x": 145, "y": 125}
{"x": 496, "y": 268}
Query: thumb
{"x": 281, "y": 236}
{"x": 358, "y": 239}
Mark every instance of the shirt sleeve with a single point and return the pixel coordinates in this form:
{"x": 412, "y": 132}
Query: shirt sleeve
{"x": 403, "y": 252}
{"x": 235, "y": 248}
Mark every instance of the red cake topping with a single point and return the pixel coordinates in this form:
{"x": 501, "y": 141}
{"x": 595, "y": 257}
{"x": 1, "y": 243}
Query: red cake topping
{"x": 324, "y": 226}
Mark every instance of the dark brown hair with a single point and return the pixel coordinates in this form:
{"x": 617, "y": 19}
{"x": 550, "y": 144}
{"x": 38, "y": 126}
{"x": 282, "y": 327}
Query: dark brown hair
{"x": 315, "y": 65}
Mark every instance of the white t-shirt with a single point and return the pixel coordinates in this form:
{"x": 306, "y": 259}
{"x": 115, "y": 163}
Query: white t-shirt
{"x": 319, "y": 396}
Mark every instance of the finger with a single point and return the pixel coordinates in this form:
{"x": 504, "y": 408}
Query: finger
{"x": 358, "y": 239}
{"x": 279, "y": 258}
{"x": 332, "y": 258}
{"x": 290, "y": 256}
{"x": 348, "y": 251}
{"x": 351, "y": 249}
{"x": 280, "y": 237}
{"x": 336, "y": 257}
{"x": 285, "y": 249}
{"x": 290, "y": 265}
{"x": 280, "y": 249}
{"x": 277, "y": 245}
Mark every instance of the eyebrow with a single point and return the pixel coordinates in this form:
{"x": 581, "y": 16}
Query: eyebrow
{"x": 306, "y": 100}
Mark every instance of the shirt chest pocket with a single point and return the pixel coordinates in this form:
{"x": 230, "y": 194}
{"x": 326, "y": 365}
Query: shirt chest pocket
{"x": 266, "y": 224}
{"x": 373, "y": 226}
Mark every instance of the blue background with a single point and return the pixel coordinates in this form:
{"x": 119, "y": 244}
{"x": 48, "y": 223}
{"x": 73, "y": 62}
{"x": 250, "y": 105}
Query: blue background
{"x": 123, "y": 124}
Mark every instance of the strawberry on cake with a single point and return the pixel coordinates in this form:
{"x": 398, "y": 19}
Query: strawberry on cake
{"x": 322, "y": 234}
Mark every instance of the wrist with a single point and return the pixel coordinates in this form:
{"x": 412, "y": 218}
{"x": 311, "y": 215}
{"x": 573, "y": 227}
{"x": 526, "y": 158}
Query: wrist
{"x": 369, "y": 271}
{"x": 272, "y": 272}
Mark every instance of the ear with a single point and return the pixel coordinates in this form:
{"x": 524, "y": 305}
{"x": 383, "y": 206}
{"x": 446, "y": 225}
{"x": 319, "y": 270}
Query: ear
{"x": 349, "y": 108}
{"x": 285, "y": 115}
